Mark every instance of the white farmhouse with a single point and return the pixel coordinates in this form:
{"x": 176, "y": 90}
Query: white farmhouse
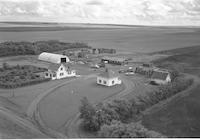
{"x": 108, "y": 78}
{"x": 59, "y": 71}
{"x": 161, "y": 77}
{"x": 53, "y": 58}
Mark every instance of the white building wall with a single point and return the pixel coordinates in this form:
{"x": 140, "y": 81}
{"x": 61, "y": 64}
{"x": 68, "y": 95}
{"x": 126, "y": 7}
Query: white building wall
{"x": 62, "y": 72}
{"x": 108, "y": 81}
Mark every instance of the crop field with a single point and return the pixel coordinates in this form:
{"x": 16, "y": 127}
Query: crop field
{"x": 62, "y": 104}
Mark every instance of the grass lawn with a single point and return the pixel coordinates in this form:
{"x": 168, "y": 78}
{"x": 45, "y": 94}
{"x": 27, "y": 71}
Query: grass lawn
{"x": 64, "y": 103}
{"x": 179, "y": 119}
{"x": 25, "y": 95}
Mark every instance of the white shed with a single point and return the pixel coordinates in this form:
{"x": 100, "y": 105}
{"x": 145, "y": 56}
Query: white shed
{"x": 53, "y": 58}
{"x": 108, "y": 78}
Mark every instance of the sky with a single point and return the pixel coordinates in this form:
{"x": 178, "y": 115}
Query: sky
{"x": 133, "y": 12}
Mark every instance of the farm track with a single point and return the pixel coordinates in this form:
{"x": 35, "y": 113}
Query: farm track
{"x": 33, "y": 109}
{"x": 71, "y": 126}
{"x": 21, "y": 121}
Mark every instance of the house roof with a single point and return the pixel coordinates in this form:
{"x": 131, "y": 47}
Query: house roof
{"x": 54, "y": 67}
{"x": 108, "y": 74}
{"x": 160, "y": 75}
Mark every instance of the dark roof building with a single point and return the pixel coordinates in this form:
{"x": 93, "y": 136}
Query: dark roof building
{"x": 161, "y": 77}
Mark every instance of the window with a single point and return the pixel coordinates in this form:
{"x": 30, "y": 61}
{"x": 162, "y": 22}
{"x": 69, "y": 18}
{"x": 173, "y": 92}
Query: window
{"x": 113, "y": 82}
{"x": 99, "y": 81}
{"x": 47, "y": 74}
{"x": 61, "y": 74}
{"x": 104, "y": 82}
{"x": 61, "y": 68}
{"x": 54, "y": 75}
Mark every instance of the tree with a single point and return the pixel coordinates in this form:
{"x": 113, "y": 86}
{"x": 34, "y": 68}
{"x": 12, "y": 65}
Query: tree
{"x": 87, "y": 113}
{"x": 5, "y": 66}
{"x": 121, "y": 130}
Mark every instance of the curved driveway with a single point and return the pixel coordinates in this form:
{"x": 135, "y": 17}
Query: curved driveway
{"x": 71, "y": 125}
{"x": 33, "y": 111}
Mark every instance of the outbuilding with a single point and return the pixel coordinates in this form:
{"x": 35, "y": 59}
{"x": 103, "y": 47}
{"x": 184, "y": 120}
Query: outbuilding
{"x": 108, "y": 78}
{"x": 114, "y": 60}
{"x": 53, "y": 58}
{"x": 161, "y": 77}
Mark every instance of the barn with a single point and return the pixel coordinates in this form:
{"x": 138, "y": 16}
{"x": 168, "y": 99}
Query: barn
{"x": 53, "y": 58}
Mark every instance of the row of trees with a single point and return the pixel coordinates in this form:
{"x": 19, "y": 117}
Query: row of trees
{"x": 11, "y": 48}
{"x": 110, "y": 118}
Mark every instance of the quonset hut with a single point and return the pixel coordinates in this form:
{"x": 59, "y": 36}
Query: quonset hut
{"x": 53, "y": 58}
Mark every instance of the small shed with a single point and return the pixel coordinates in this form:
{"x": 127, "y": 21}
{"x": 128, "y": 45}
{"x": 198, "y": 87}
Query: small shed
{"x": 108, "y": 78}
{"x": 53, "y": 58}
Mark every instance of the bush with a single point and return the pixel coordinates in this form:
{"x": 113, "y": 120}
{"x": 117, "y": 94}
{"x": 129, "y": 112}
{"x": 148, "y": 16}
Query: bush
{"x": 96, "y": 116}
{"x": 121, "y": 130}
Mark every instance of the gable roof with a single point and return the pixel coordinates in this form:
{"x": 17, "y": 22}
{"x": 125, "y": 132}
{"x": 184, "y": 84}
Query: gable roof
{"x": 108, "y": 74}
{"x": 54, "y": 67}
{"x": 160, "y": 75}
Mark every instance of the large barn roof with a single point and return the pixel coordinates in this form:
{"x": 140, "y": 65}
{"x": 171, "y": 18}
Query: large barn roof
{"x": 53, "y": 58}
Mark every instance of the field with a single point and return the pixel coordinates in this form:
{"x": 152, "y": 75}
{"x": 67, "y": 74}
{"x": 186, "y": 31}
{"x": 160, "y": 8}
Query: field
{"x": 135, "y": 39}
{"x": 180, "y": 118}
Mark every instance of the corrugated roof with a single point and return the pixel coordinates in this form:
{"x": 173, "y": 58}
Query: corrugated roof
{"x": 108, "y": 74}
{"x": 51, "y": 57}
{"x": 160, "y": 75}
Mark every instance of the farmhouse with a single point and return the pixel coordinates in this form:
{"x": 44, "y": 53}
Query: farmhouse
{"x": 108, "y": 78}
{"x": 114, "y": 60}
{"x": 161, "y": 77}
{"x": 59, "y": 71}
{"x": 53, "y": 58}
